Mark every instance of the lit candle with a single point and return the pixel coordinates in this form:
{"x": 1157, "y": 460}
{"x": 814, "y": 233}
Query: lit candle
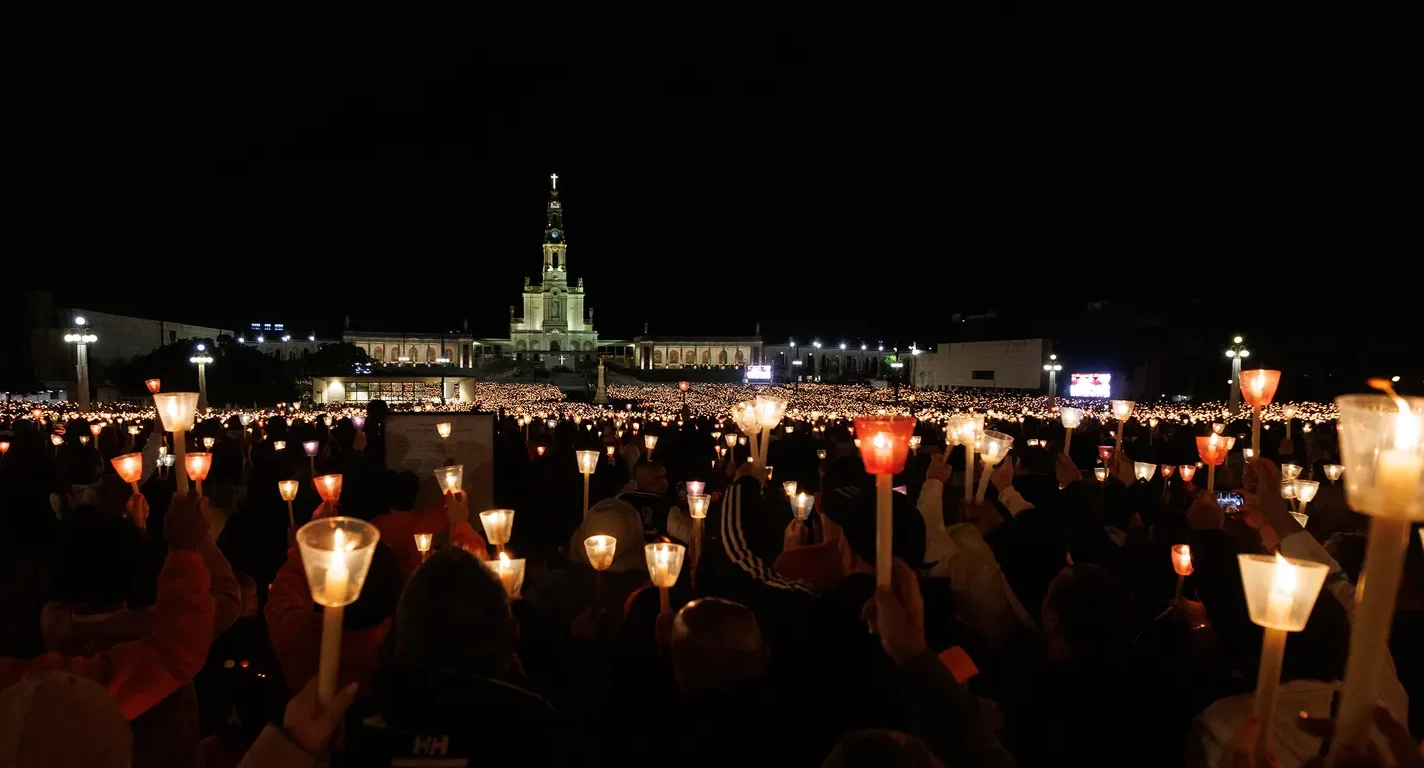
{"x": 790, "y": 487}
{"x": 288, "y": 490}
{"x": 802, "y": 505}
{"x": 1382, "y": 451}
{"x": 695, "y": 487}
{"x": 884, "y": 453}
{"x": 1279, "y": 596}
{"x": 336, "y": 553}
{"x": 1182, "y": 564}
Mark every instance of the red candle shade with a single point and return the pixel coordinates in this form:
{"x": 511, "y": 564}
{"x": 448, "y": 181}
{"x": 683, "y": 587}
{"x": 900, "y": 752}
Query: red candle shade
{"x": 1167, "y": 470}
{"x": 329, "y": 488}
{"x": 1258, "y": 387}
{"x": 1182, "y": 559}
{"x": 1105, "y": 452}
{"x": 129, "y": 466}
{"x": 198, "y": 465}
{"x": 1188, "y": 471}
{"x": 95, "y": 429}
{"x": 153, "y": 385}
{"x": 1213, "y": 449}
{"x": 884, "y": 442}
{"x": 684, "y": 385}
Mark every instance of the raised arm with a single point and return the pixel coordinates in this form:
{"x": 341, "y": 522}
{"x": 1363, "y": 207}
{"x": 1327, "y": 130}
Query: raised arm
{"x": 141, "y": 673}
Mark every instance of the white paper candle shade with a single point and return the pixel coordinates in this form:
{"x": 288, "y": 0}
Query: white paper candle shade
{"x": 1121, "y": 409}
{"x": 697, "y": 504}
{"x": 600, "y": 550}
{"x": 995, "y": 447}
{"x": 498, "y": 525}
{"x": 1382, "y": 450}
{"x": 1289, "y": 471}
{"x": 664, "y": 563}
{"x": 1305, "y": 490}
{"x": 336, "y": 553}
{"x": 451, "y": 478}
{"x": 1143, "y": 470}
{"x": 1072, "y": 417}
{"x": 1280, "y": 592}
{"x": 510, "y": 573}
{"x": 176, "y": 409}
{"x": 587, "y": 461}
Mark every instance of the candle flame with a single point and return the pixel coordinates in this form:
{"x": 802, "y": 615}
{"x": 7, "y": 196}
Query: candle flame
{"x": 1406, "y": 425}
{"x": 504, "y": 561}
{"x": 1284, "y": 580}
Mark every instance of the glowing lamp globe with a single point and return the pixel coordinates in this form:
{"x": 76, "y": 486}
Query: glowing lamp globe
{"x": 198, "y": 465}
{"x": 600, "y": 550}
{"x": 1143, "y": 470}
{"x": 1182, "y": 559}
{"x": 1281, "y": 591}
{"x": 1258, "y": 387}
{"x": 664, "y": 563}
{"x": 1072, "y": 417}
{"x": 451, "y": 479}
{"x": 1213, "y": 449}
{"x": 129, "y": 466}
{"x": 1188, "y": 471}
{"x": 153, "y": 385}
{"x": 697, "y": 504}
{"x": 176, "y": 409}
{"x": 498, "y": 525}
{"x": 329, "y": 488}
{"x": 336, "y": 554}
{"x": 587, "y": 461}
{"x": 311, "y": 447}
{"x": 884, "y": 442}
{"x": 288, "y": 489}
{"x": 1121, "y": 409}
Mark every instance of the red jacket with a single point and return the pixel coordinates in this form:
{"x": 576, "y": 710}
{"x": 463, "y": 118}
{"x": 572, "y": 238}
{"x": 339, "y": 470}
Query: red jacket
{"x": 398, "y": 529}
{"x": 295, "y": 629}
{"x": 141, "y": 673}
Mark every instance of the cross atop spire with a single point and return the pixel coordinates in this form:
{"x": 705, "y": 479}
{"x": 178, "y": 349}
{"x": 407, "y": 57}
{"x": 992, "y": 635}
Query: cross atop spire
{"x": 554, "y": 177}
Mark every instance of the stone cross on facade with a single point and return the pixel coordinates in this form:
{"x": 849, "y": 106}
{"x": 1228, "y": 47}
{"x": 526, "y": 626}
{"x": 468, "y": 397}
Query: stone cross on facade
{"x": 554, "y": 177}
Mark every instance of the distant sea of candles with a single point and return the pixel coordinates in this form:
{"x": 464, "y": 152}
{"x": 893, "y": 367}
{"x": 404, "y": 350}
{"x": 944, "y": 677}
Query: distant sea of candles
{"x": 814, "y": 404}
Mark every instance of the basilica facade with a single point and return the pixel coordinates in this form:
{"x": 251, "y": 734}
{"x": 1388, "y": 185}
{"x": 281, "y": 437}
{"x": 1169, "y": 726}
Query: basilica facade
{"x": 550, "y": 327}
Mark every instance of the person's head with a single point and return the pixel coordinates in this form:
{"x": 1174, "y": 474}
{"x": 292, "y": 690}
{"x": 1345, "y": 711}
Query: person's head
{"x": 1087, "y": 614}
{"x": 857, "y": 542}
{"x": 403, "y": 488}
{"x": 379, "y": 594}
{"x": 890, "y": 749}
{"x": 248, "y": 587}
{"x": 99, "y": 559}
{"x": 651, "y": 478}
{"x": 616, "y": 518}
{"x": 58, "y": 720}
{"x": 716, "y": 646}
{"x": 453, "y": 615}
{"x": 1033, "y": 460}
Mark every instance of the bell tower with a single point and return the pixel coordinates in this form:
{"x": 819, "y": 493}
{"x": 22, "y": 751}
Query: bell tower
{"x": 555, "y": 239}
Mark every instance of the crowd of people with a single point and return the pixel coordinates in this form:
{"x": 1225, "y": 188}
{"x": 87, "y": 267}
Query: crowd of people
{"x": 1043, "y": 624}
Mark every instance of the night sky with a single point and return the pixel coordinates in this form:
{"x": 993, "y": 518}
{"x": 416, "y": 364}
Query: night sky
{"x": 844, "y": 181}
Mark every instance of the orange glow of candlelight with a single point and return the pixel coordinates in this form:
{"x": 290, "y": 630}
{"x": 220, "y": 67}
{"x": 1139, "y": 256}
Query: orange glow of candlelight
{"x": 153, "y": 385}
{"x": 329, "y": 488}
{"x": 129, "y": 466}
{"x": 1182, "y": 559}
{"x": 1258, "y": 387}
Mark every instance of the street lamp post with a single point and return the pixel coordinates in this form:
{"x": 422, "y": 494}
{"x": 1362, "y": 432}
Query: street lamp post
{"x": 897, "y": 365}
{"x": 202, "y": 358}
{"x": 1053, "y": 367}
{"x": 1236, "y": 353}
{"x": 796, "y": 376}
{"x": 82, "y": 338}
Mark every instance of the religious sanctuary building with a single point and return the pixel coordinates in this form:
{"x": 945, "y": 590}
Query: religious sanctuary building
{"x": 550, "y": 326}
